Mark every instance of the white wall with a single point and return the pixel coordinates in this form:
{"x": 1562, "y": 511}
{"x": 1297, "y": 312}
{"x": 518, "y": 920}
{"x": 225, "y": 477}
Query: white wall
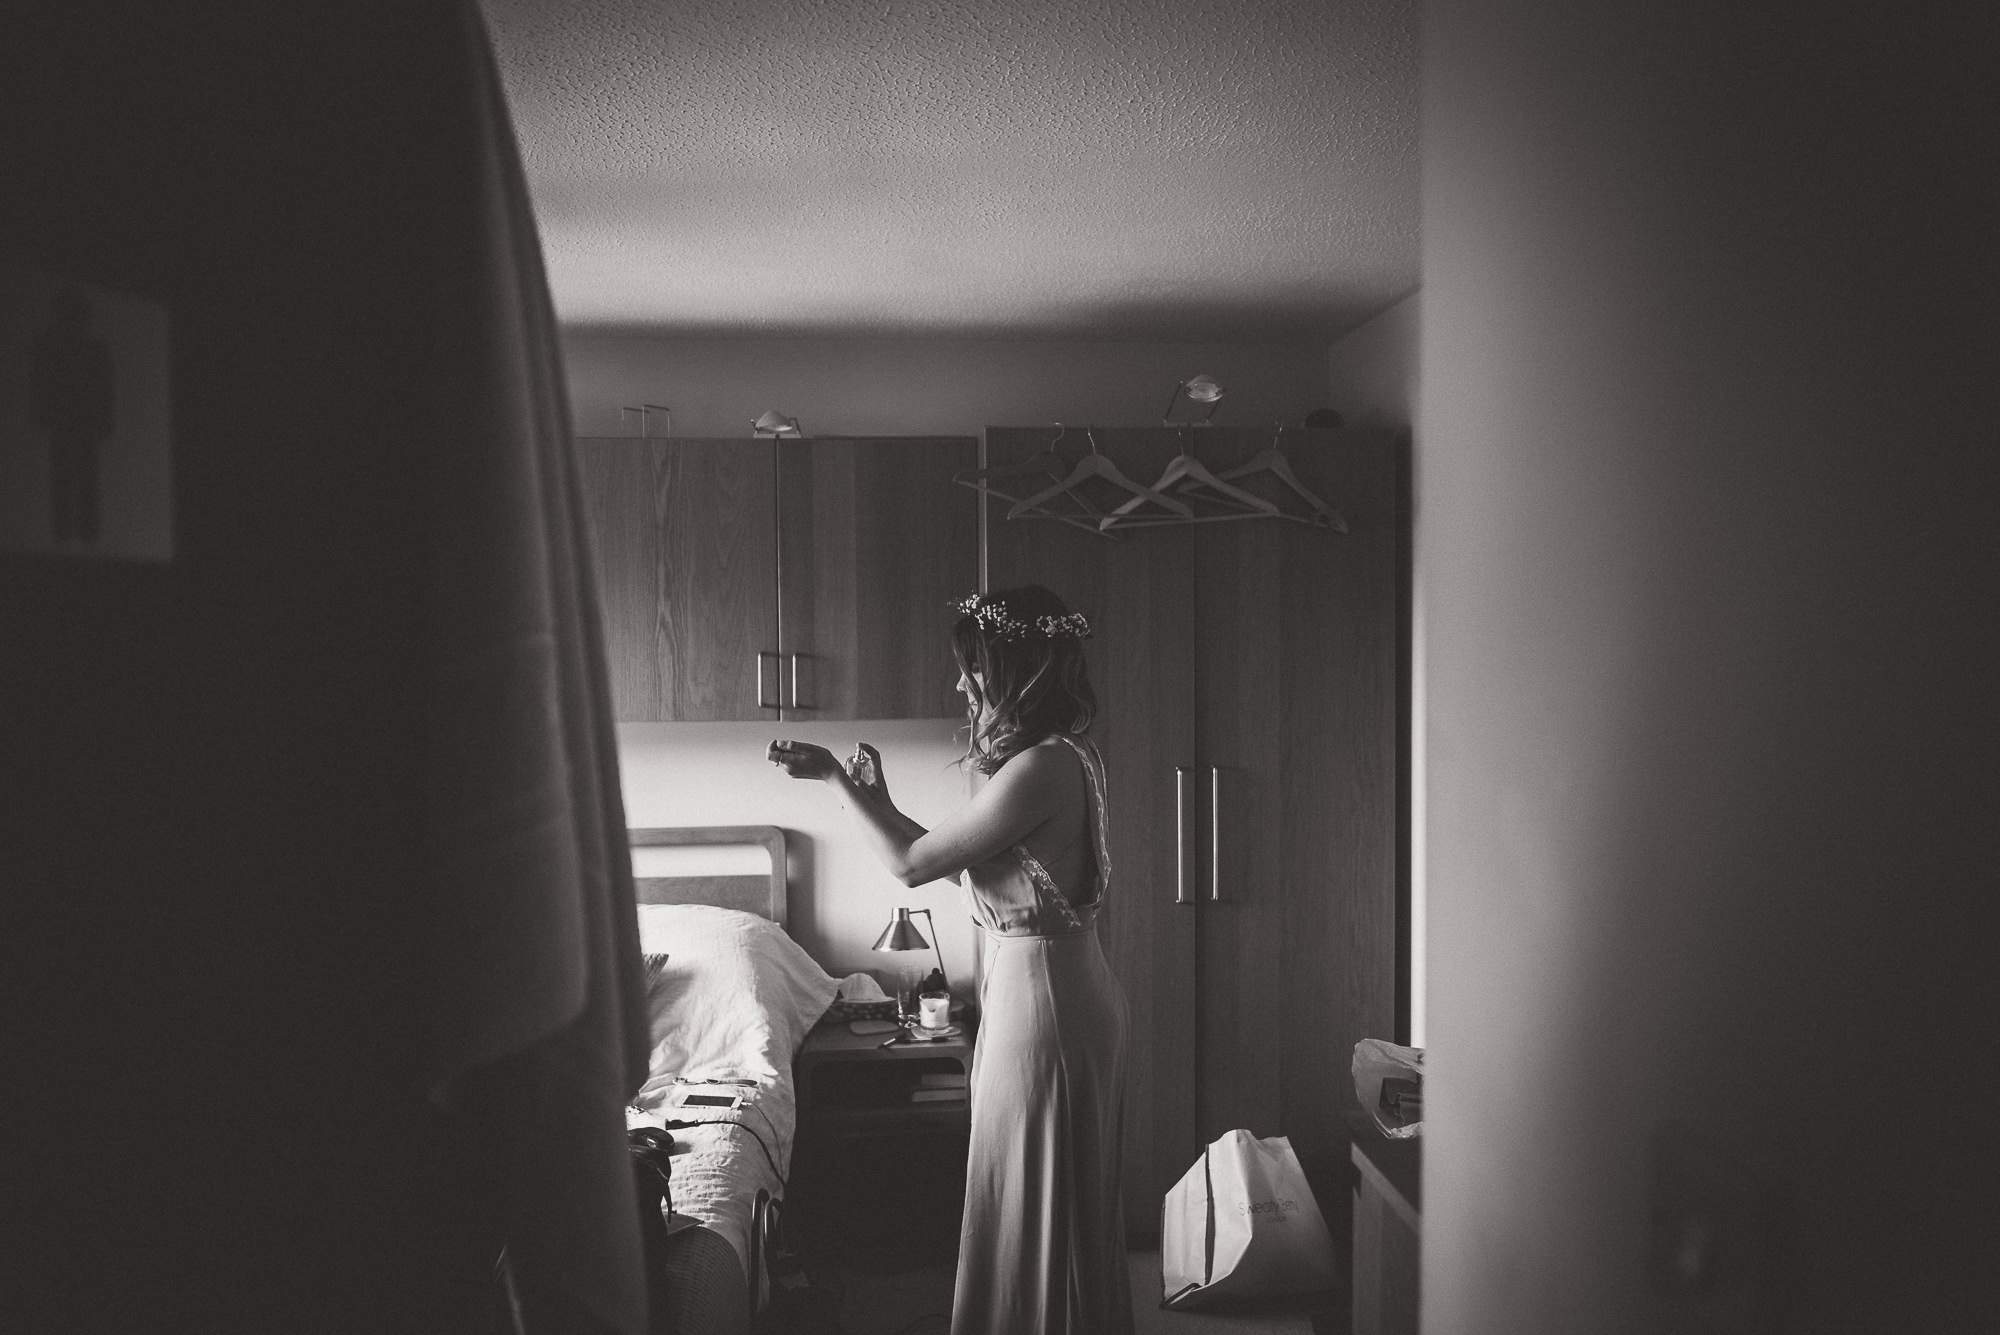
{"x": 1372, "y": 380}
{"x": 1371, "y": 372}
{"x": 840, "y": 896}
{"x": 1705, "y": 481}
{"x": 717, "y": 387}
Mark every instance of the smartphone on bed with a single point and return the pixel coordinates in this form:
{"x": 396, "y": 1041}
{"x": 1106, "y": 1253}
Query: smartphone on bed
{"x": 706, "y": 1098}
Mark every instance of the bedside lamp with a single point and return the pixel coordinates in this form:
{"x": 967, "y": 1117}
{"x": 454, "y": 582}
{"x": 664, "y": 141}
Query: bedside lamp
{"x": 902, "y": 935}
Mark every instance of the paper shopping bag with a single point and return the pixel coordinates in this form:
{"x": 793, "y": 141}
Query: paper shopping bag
{"x": 1242, "y": 1223}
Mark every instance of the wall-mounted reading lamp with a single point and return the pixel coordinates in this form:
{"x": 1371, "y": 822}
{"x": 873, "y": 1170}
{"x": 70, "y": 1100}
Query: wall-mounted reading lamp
{"x": 1195, "y": 389}
{"x": 774, "y": 424}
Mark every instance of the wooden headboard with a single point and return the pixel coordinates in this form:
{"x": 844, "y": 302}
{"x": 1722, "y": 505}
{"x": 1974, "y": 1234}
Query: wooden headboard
{"x": 761, "y": 895}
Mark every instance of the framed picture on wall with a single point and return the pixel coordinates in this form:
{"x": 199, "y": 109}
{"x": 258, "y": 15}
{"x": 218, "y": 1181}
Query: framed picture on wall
{"x": 86, "y": 454}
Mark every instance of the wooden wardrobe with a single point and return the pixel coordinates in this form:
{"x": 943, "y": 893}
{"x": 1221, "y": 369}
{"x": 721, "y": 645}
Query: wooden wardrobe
{"x": 1250, "y": 676}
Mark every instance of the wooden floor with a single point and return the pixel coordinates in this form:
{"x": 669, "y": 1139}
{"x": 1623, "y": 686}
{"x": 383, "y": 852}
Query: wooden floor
{"x": 1148, "y": 1319}
{"x": 918, "y": 1302}
{"x": 877, "y": 1234}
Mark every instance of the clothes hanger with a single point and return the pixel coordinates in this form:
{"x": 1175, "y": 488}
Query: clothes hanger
{"x": 1045, "y": 463}
{"x": 1271, "y": 459}
{"x": 1095, "y": 465}
{"x": 1184, "y": 468}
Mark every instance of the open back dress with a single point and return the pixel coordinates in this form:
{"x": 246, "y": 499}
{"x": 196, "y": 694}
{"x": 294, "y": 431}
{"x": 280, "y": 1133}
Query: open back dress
{"x": 1042, "y": 1247}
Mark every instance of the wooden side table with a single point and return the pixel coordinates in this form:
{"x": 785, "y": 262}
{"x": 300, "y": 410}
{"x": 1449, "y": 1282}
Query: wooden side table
{"x": 1388, "y": 1217}
{"x": 848, "y": 1083}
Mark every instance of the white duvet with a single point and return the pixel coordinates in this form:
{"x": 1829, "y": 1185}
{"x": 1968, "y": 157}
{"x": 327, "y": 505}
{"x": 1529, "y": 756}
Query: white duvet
{"x": 729, "y": 1006}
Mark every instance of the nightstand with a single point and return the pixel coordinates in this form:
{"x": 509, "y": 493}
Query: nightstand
{"x": 848, "y": 1083}
{"x": 876, "y": 1174}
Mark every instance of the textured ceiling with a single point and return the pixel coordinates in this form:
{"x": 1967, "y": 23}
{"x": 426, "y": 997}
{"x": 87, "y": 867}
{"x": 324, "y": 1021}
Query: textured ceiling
{"x": 985, "y": 168}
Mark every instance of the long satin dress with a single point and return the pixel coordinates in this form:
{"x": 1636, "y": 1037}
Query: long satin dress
{"x": 1042, "y": 1247}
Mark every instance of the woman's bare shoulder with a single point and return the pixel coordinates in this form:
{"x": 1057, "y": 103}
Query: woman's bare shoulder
{"x": 1047, "y": 766}
{"x": 1048, "y": 751}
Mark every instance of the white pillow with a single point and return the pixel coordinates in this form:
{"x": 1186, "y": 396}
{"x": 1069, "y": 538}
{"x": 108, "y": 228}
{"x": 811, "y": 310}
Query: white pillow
{"x": 734, "y": 996}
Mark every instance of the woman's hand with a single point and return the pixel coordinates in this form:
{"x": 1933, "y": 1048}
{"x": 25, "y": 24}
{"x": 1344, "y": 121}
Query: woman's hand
{"x": 865, "y": 768}
{"x": 803, "y": 760}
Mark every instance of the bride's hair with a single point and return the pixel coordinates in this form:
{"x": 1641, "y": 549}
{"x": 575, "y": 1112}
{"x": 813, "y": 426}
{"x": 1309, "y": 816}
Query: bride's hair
{"x": 1022, "y": 651}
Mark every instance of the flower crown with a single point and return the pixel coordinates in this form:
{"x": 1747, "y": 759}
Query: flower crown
{"x": 1001, "y": 624}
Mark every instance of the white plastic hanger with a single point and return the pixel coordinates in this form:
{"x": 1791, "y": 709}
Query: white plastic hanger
{"x": 1184, "y": 468}
{"x": 1095, "y": 465}
{"x": 1272, "y": 460}
{"x": 1043, "y": 463}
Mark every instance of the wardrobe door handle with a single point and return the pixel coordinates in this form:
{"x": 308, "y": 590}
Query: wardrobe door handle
{"x": 1215, "y": 834}
{"x": 777, "y": 679}
{"x": 1182, "y": 894}
{"x": 798, "y": 701}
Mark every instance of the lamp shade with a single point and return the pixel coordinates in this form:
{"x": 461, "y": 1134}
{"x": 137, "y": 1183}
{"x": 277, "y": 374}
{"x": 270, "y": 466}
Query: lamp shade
{"x": 1195, "y": 389}
{"x": 902, "y": 934}
{"x": 775, "y": 423}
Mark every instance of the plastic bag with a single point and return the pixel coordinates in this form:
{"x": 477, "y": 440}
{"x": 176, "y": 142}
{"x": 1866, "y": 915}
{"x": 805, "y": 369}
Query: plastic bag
{"x": 1389, "y": 1083}
{"x": 1243, "y": 1223}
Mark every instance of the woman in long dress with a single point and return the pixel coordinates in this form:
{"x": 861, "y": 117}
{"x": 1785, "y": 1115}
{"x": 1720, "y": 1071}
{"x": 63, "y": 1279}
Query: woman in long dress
{"x": 1042, "y": 1245}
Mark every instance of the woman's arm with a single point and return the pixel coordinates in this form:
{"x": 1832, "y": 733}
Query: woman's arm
{"x": 890, "y": 834}
{"x": 1025, "y": 793}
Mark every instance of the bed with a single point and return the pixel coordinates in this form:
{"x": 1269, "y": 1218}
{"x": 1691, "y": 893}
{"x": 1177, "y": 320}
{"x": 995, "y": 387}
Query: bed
{"x": 730, "y": 996}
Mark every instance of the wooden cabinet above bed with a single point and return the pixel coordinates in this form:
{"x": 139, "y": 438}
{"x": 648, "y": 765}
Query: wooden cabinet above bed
{"x": 684, "y": 537}
{"x": 760, "y": 580}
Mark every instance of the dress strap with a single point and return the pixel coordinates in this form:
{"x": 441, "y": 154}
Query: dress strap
{"x": 1100, "y": 824}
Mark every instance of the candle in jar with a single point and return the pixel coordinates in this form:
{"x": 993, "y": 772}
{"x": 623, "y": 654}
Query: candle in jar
{"x": 934, "y": 1010}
